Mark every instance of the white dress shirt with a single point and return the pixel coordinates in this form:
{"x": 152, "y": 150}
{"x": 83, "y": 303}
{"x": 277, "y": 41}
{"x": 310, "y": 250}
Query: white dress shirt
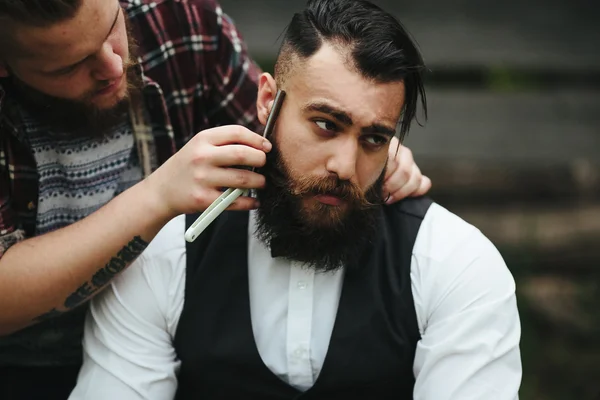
{"x": 464, "y": 297}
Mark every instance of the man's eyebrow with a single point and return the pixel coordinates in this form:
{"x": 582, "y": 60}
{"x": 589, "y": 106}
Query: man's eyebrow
{"x": 336, "y": 113}
{"x": 380, "y": 129}
{"x": 344, "y": 118}
{"x": 112, "y": 27}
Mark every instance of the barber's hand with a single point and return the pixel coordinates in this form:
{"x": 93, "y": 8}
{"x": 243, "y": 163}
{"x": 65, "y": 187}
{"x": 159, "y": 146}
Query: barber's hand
{"x": 403, "y": 177}
{"x": 190, "y": 180}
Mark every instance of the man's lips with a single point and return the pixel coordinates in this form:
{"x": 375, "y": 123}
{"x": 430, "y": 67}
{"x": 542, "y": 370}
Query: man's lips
{"x": 330, "y": 200}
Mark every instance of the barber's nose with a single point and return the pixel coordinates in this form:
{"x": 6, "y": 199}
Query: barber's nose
{"x": 109, "y": 65}
{"x": 343, "y": 160}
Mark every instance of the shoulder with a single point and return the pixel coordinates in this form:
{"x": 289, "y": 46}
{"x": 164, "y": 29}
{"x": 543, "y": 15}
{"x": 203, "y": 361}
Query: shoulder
{"x": 449, "y": 245}
{"x": 187, "y": 17}
{"x": 454, "y": 265}
{"x": 448, "y": 248}
{"x": 465, "y": 301}
{"x": 194, "y": 36}
{"x": 442, "y": 233}
{"x": 445, "y": 244}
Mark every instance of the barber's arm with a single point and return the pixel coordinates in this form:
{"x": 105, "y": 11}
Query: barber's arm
{"x": 51, "y": 274}
{"x": 128, "y": 351}
{"x": 467, "y": 310}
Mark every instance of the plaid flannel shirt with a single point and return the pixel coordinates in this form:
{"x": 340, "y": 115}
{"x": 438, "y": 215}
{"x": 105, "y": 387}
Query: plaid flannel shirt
{"x": 197, "y": 74}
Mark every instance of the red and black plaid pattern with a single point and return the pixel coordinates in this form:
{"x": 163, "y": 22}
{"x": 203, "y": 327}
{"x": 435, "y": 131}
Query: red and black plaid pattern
{"x": 197, "y": 74}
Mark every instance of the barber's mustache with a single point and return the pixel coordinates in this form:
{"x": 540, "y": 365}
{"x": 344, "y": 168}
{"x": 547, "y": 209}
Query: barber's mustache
{"x": 131, "y": 62}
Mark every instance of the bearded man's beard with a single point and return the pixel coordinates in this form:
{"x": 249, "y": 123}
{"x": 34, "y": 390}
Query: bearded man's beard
{"x": 76, "y": 118}
{"x": 322, "y": 237}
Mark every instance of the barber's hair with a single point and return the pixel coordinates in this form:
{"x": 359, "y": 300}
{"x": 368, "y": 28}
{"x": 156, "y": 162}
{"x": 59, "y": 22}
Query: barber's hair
{"x": 379, "y": 46}
{"x": 38, "y": 13}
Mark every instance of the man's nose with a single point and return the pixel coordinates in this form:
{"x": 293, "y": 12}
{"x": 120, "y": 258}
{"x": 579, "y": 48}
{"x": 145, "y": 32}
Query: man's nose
{"x": 342, "y": 161}
{"x": 109, "y": 65}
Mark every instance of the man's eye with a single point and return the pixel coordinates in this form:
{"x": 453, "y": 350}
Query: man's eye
{"x": 326, "y": 125}
{"x": 376, "y": 140}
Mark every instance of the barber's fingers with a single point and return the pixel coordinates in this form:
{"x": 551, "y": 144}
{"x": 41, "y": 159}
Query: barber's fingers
{"x": 416, "y": 185}
{"x": 235, "y": 134}
{"x": 424, "y": 187}
{"x": 231, "y": 178}
{"x": 190, "y": 180}
{"x": 399, "y": 167}
{"x": 236, "y": 154}
{"x": 244, "y": 203}
{"x": 241, "y": 203}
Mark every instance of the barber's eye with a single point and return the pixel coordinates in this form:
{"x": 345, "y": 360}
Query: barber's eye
{"x": 326, "y": 125}
{"x": 67, "y": 70}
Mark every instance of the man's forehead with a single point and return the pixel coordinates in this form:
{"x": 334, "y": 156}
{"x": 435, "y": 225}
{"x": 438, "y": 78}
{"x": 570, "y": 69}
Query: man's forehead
{"x": 329, "y": 78}
{"x": 72, "y": 37}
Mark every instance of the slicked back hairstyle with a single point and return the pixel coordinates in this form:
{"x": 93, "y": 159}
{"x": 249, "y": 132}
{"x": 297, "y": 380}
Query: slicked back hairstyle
{"x": 379, "y": 47}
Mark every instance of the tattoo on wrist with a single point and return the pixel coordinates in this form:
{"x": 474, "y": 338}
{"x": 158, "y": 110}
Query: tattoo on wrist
{"x": 102, "y": 277}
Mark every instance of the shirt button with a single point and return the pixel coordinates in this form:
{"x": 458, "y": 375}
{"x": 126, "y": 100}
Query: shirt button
{"x": 30, "y": 205}
{"x": 299, "y": 352}
{"x": 302, "y": 285}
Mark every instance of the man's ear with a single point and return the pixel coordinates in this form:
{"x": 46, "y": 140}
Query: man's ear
{"x": 3, "y": 70}
{"x": 267, "y": 90}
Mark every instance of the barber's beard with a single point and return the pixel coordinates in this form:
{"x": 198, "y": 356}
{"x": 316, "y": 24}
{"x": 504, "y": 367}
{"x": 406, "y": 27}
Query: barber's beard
{"x": 80, "y": 117}
{"x": 321, "y": 236}
{"x": 72, "y": 118}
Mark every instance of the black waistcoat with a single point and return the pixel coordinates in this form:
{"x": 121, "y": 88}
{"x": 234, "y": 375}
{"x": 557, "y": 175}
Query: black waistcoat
{"x": 372, "y": 346}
